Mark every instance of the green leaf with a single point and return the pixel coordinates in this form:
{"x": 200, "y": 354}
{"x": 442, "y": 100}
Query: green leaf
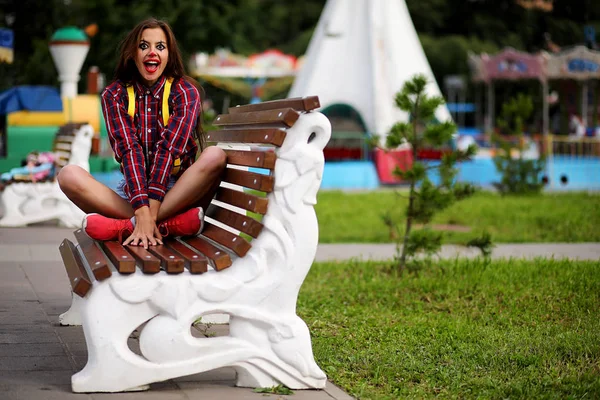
{"x": 400, "y": 133}
{"x": 373, "y": 141}
{"x": 428, "y": 200}
{"x": 416, "y": 173}
{"x": 439, "y": 134}
{"x": 404, "y": 101}
{"x": 427, "y": 106}
{"x": 279, "y": 389}
{"x": 416, "y": 85}
{"x": 424, "y": 240}
{"x": 483, "y": 243}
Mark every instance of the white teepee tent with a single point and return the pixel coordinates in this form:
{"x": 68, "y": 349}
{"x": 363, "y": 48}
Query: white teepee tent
{"x": 361, "y": 53}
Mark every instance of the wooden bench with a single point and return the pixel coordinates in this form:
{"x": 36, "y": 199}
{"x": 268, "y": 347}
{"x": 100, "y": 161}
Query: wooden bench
{"x": 258, "y": 244}
{"x": 26, "y": 202}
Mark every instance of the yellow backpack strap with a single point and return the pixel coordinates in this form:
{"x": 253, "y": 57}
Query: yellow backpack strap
{"x": 131, "y": 101}
{"x": 165, "y": 102}
{"x": 166, "y": 115}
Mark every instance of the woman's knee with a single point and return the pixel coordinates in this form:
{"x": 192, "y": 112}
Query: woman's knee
{"x": 70, "y": 178}
{"x": 214, "y": 159}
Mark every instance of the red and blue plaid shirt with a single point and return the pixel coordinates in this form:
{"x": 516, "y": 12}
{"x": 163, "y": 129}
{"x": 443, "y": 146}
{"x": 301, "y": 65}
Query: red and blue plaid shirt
{"x": 143, "y": 146}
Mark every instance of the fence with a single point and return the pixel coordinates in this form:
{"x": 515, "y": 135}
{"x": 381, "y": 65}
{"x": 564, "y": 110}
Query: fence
{"x": 573, "y": 162}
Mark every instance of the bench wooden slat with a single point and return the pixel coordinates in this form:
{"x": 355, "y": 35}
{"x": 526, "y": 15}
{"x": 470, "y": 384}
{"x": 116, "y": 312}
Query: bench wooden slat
{"x": 70, "y": 128}
{"x": 78, "y": 276}
{"x": 297, "y": 103}
{"x": 150, "y": 264}
{"x": 93, "y": 255}
{"x": 64, "y": 138}
{"x": 121, "y": 259}
{"x": 258, "y": 159}
{"x": 220, "y": 259}
{"x": 242, "y": 223}
{"x": 235, "y": 243}
{"x": 281, "y": 117}
{"x": 196, "y": 263}
{"x": 243, "y": 200}
{"x": 170, "y": 261}
{"x": 272, "y": 136}
{"x": 251, "y": 180}
{"x": 27, "y": 179}
{"x": 63, "y": 154}
{"x": 62, "y": 146}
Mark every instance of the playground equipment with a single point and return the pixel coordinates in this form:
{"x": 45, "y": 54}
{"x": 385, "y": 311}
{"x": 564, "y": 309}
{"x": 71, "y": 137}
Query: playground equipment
{"x": 34, "y": 115}
{"x": 32, "y": 202}
{"x": 251, "y": 77}
{"x": 573, "y": 64}
{"x": 576, "y": 64}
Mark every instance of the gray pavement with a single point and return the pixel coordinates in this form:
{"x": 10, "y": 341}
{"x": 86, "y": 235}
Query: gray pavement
{"x": 38, "y": 357}
{"x": 361, "y": 251}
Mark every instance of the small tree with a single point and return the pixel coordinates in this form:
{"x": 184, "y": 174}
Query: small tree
{"x": 519, "y": 175}
{"x": 425, "y": 198}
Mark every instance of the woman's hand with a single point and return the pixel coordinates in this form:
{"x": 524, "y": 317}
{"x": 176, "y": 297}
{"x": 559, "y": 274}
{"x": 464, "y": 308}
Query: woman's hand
{"x": 145, "y": 232}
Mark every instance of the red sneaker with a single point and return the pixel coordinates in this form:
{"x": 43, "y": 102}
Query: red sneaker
{"x": 189, "y": 223}
{"x": 102, "y": 228}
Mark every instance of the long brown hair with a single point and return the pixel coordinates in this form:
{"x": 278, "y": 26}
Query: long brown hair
{"x": 127, "y": 71}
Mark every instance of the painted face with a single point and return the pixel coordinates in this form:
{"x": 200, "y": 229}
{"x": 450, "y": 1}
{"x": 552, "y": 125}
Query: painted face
{"x": 152, "y": 55}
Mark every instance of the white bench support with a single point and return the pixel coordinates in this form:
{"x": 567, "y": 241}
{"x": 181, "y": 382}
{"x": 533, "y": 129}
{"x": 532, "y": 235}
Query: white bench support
{"x": 268, "y": 344}
{"x": 27, "y": 203}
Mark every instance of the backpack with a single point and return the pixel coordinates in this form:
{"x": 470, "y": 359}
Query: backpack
{"x": 165, "y": 113}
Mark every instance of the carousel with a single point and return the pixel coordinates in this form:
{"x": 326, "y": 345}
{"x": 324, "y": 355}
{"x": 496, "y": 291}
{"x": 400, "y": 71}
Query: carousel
{"x": 572, "y": 73}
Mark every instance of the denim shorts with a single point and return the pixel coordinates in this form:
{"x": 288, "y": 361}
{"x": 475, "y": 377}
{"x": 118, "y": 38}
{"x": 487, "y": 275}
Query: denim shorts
{"x": 121, "y": 186}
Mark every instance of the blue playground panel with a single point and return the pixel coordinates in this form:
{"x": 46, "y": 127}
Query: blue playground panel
{"x": 581, "y": 173}
{"x": 350, "y": 175}
{"x": 467, "y": 131}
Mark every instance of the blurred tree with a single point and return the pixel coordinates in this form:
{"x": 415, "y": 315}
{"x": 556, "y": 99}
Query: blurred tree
{"x": 448, "y": 28}
{"x": 244, "y": 26}
{"x": 447, "y": 55}
{"x": 519, "y": 174}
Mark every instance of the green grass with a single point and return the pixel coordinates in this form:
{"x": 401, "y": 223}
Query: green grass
{"x": 558, "y": 217}
{"x": 464, "y": 329}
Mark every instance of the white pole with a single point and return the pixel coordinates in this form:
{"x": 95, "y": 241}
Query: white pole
{"x": 584, "y": 103}
{"x": 546, "y": 111}
{"x": 490, "y": 117}
{"x": 545, "y": 134}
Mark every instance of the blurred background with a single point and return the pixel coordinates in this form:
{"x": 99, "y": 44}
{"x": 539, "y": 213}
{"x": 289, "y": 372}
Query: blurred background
{"x": 481, "y": 54}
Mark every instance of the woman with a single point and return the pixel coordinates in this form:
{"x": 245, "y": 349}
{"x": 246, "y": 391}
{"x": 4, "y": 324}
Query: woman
{"x": 165, "y": 189}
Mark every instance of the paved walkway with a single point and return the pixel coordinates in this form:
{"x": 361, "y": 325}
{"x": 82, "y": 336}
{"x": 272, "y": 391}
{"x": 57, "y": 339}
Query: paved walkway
{"x": 580, "y": 251}
{"x": 38, "y": 357}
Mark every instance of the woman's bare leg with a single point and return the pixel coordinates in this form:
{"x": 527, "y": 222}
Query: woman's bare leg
{"x": 197, "y": 185}
{"x": 90, "y": 195}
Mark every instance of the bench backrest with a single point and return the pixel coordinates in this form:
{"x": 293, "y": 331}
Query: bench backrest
{"x": 72, "y": 145}
{"x": 249, "y": 135}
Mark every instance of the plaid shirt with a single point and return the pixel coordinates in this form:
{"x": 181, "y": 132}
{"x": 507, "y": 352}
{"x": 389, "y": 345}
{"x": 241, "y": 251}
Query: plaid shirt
{"x": 142, "y": 145}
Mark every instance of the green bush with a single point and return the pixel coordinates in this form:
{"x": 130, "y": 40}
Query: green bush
{"x": 519, "y": 175}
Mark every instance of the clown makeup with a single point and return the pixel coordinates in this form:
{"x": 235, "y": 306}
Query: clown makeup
{"x": 152, "y": 55}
